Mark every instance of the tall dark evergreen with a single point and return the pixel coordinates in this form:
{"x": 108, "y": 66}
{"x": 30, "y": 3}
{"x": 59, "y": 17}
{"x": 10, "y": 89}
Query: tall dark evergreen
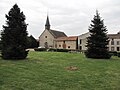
{"x": 97, "y": 41}
{"x": 14, "y": 35}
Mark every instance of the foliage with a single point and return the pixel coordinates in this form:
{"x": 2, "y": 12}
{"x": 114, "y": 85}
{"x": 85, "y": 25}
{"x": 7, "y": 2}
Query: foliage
{"x": 52, "y": 49}
{"x": 48, "y": 71}
{"x": 40, "y": 49}
{"x": 32, "y": 42}
{"x": 118, "y": 54}
{"x": 0, "y": 45}
{"x": 113, "y": 53}
{"x": 14, "y": 35}
{"x": 62, "y": 50}
{"x": 97, "y": 41}
{"x": 58, "y": 50}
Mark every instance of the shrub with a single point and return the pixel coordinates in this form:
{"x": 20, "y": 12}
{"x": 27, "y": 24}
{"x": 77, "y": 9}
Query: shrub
{"x": 58, "y": 50}
{"x": 118, "y": 54}
{"x": 52, "y": 49}
{"x": 40, "y": 49}
{"x": 62, "y": 50}
{"x": 113, "y": 53}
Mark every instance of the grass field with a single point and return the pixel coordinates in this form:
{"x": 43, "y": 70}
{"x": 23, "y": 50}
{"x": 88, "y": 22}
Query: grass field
{"x": 51, "y": 71}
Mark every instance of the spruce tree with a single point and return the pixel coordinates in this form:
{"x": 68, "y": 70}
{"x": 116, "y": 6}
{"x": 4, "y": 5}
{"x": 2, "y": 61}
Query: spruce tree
{"x": 14, "y": 35}
{"x": 97, "y": 41}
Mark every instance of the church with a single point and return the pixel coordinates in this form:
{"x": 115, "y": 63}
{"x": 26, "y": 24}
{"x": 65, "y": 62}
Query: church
{"x": 56, "y": 39}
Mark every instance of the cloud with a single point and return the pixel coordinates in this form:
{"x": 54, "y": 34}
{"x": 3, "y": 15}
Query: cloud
{"x": 71, "y": 16}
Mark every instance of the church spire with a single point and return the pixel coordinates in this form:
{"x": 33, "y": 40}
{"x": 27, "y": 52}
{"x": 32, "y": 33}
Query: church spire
{"x": 47, "y": 25}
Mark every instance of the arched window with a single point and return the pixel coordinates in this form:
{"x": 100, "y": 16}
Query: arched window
{"x": 112, "y": 42}
{"x": 64, "y": 45}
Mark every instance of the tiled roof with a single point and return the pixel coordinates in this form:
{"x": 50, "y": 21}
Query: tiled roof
{"x": 57, "y": 34}
{"x": 71, "y": 38}
{"x": 114, "y": 36}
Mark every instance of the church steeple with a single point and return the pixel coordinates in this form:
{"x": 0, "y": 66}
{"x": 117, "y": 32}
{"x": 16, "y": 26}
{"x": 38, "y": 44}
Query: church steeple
{"x": 47, "y": 25}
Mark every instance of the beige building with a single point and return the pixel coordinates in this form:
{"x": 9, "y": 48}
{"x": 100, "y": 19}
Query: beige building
{"x": 46, "y": 39}
{"x": 82, "y": 40}
{"x": 114, "y": 42}
{"x": 57, "y": 39}
{"x": 67, "y": 43}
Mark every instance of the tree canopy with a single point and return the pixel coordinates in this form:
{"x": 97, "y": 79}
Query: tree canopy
{"x": 97, "y": 41}
{"x": 14, "y": 35}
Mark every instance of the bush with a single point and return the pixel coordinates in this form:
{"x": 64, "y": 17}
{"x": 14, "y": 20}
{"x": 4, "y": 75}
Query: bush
{"x": 40, "y": 49}
{"x": 52, "y": 49}
{"x": 62, "y": 50}
{"x": 113, "y": 53}
{"x": 58, "y": 50}
{"x": 118, "y": 54}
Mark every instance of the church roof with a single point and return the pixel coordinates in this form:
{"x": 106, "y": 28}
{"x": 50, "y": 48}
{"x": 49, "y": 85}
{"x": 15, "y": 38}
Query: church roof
{"x": 57, "y": 34}
{"x": 114, "y": 36}
{"x": 71, "y": 38}
{"x": 47, "y": 25}
{"x": 47, "y": 22}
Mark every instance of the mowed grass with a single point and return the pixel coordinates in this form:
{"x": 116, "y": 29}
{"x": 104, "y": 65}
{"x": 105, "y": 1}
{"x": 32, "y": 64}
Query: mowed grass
{"x": 49, "y": 71}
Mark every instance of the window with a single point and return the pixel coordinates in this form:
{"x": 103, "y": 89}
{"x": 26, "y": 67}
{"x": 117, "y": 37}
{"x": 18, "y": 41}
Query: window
{"x": 59, "y": 45}
{"x": 55, "y": 45}
{"x": 80, "y": 47}
{"x": 80, "y": 41}
{"x": 108, "y": 48}
{"x": 118, "y": 42}
{"x": 46, "y": 44}
{"x": 68, "y": 46}
{"x": 45, "y": 36}
{"x": 118, "y": 48}
{"x": 112, "y": 42}
{"x": 50, "y": 46}
{"x": 112, "y": 48}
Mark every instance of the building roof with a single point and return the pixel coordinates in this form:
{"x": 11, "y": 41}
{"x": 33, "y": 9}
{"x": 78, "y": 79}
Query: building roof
{"x": 114, "y": 36}
{"x": 83, "y": 36}
{"x": 47, "y": 25}
{"x": 57, "y": 34}
{"x": 71, "y": 38}
{"x": 47, "y": 22}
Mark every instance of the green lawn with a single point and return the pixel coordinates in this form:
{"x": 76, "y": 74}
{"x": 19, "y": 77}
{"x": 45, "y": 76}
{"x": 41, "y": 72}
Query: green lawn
{"x": 50, "y": 71}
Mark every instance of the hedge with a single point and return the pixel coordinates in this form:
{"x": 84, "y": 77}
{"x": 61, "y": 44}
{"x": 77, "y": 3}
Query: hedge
{"x": 118, "y": 54}
{"x": 40, "y": 49}
{"x": 113, "y": 53}
{"x": 58, "y": 50}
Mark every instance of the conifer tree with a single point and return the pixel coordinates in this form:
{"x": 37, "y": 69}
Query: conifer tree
{"x": 97, "y": 41}
{"x": 14, "y": 35}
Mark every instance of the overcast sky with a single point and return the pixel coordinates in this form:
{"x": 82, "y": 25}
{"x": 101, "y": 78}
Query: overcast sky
{"x": 70, "y": 16}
